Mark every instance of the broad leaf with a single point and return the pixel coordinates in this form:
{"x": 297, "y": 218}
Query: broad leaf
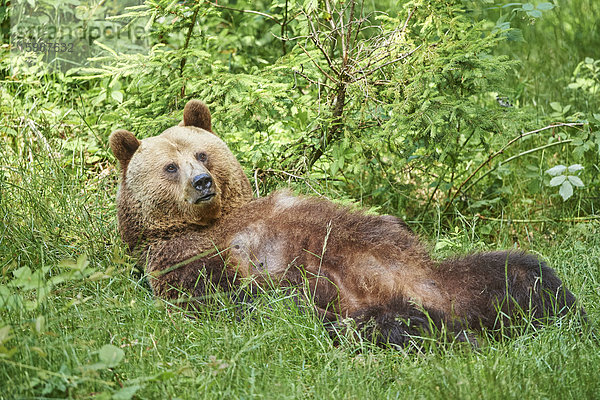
{"x": 4, "y": 334}
{"x": 545, "y": 6}
{"x": 126, "y": 393}
{"x": 559, "y": 169}
{"x": 576, "y": 181}
{"x": 310, "y": 6}
{"x": 566, "y": 190}
{"x": 528, "y": 7}
{"x": 558, "y": 180}
{"x": 575, "y": 167}
{"x": 110, "y": 355}
{"x": 117, "y": 96}
{"x": 556, "y": 106}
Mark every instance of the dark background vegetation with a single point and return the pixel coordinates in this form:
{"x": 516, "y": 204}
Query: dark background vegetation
{"x": 478, "y": 122}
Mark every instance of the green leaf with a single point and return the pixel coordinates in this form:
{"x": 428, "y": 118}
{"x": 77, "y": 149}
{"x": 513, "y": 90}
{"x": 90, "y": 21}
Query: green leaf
{"x": 566, "y": 190}
{"x": 441, "y": 244}
{"x": 117, "y": 96}
{"x": 4, "y": 334}
{"x": 534, "y": 13}
{"x": 78, "y": 265}
{"x": 557, "y": 170}
{"x": 558, "y": 180}
{"x": 576, "y": 181}
{"x": 27, "y": 280}
{"x": 40, "y": 324}
{"x": 576, "y": 142}
{"x": 575, "y": 167}
{"x": 126, "y": 393}
{"x": 515, "y": 35}
{"x": 110, "y": 355}
{"x": 556, "y": 106}
{"x": 532, "y": 168}
{"x": 486, "y": 229}
{"x": 310, "y": 5}
{"x": 22, "y": 273}
{"x": 579, "y": 151}
{"x": 103, "y": 396}
{"x": 545, "y": 6}
{"x": 528, "y": 7}
{"x": 101, "y": 97}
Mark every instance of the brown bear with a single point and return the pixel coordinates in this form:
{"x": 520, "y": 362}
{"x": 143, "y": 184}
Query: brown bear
{"x": 186, "y": 211}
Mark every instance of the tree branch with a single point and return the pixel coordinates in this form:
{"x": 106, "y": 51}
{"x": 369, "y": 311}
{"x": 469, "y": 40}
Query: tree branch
{"x": 185, "y": 46}
{"x": 377, "y": 68}
{"x": 314, "y": 37}
{"x": 494, "y": 155}
{"x": 317, "y": 64}
{"x": 272, "y": 18}
{"x": 531, "y": 221}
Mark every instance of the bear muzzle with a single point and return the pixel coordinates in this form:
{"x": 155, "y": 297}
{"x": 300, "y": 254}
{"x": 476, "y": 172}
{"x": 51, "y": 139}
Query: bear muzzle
{"x": 204, "y": 186}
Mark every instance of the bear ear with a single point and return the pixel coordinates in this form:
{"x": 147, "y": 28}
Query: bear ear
{"x": 196, "y": 114}
{"x": 123, "y": 144}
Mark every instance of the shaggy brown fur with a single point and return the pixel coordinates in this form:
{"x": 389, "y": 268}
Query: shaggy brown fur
{"x": 185, "y": 209}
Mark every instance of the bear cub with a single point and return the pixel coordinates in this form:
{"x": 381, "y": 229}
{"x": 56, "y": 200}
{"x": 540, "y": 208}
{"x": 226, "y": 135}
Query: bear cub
{"x": 185, "y": 210}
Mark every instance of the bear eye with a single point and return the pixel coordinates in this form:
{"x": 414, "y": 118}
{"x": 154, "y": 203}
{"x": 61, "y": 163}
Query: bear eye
{"x": 201, "y": 156}
{"x": 171, "y": 168}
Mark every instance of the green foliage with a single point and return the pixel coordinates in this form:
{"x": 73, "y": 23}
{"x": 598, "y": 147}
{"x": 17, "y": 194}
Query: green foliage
{"x": 448, "y": 114}
{"x": 586, "y": 77}
{"x": 391, "y": 108}
{"x": 566, "y": 182}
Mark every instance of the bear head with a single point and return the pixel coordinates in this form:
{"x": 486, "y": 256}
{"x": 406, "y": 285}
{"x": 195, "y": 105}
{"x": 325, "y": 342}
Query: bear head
{"x": 184, "y": 176}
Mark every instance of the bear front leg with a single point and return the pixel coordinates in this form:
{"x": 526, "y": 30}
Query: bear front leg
{"x": 189, "y": 279}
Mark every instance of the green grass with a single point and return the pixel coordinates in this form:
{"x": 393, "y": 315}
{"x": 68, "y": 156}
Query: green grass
{"x": 55, "y": 322}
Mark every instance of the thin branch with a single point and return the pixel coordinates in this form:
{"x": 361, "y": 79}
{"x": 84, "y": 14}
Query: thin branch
{"x": 360, "y": 21}
{"x": 318, "y": 66}
{"x": 342, "y": 36}
{"x": 573, "y": 219}
{"x": 272, "y": 18}
{"x": 315, "y": 39}
{"x": 336, "y": 125}
{"x": 494, "y": 155}
{"x": 185, "y": 46}
{"x": 379, "y": 67}
{"x": 283, "y": 26}
{"x": 509, "y": 159}
{"x": 406, "y": 22}
{"x": 328, "y": 7}
{"x": 294, "y": 176}
{"x": 312, "y": 80}
{"x": 389, "y": 38}
{"x": 568, "y": 124}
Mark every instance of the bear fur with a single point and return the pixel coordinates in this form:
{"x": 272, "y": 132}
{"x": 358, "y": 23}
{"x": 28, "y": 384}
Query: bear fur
{"x": 186, "y": 211}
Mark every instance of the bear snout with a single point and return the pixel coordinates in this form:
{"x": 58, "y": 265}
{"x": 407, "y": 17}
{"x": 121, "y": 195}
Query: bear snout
{"x": 203, "y": 183}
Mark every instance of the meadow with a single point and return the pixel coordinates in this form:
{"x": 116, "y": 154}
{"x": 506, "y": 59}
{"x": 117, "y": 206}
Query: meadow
{"x": 77, "y": 318}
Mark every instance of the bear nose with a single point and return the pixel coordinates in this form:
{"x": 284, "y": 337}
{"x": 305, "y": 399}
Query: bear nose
{"x": 202, "y": 182}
